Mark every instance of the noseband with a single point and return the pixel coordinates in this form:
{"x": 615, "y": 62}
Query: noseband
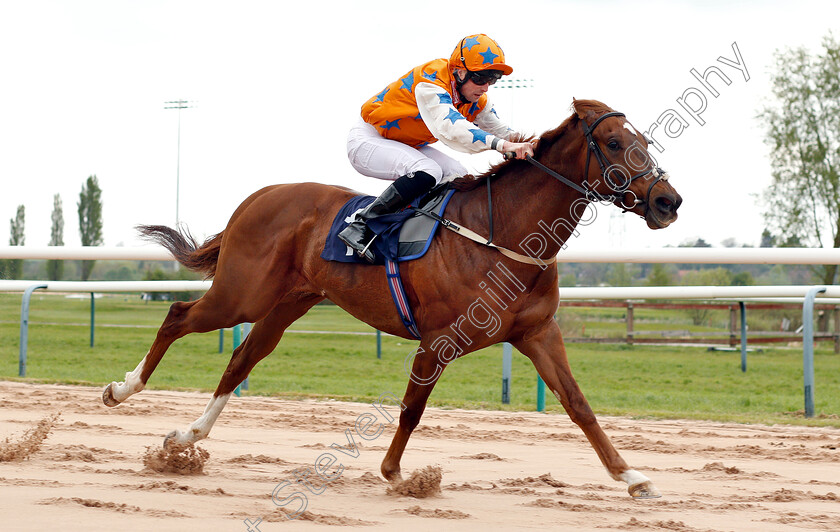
{"x": 607, "y": 170}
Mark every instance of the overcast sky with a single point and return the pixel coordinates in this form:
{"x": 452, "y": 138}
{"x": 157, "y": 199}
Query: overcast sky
{"x": 276, "y": 85}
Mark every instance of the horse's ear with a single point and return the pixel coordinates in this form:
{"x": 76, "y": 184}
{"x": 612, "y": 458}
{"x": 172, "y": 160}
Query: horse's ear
{"x": 584, "y": 114}
{"x": 579, "y": 110}
{"x": 589, "y": 109}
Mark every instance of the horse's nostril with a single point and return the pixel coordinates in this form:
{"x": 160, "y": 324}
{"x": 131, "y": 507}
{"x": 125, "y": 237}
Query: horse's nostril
{"x": 664, "y": 204}
{"x": 668, "y": 204}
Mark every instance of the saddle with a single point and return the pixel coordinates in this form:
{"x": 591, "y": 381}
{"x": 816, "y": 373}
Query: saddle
{"x": 401, "y": 236}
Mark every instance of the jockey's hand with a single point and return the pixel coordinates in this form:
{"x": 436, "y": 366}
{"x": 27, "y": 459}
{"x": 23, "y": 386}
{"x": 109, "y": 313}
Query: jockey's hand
{"x": 519, "y": 149}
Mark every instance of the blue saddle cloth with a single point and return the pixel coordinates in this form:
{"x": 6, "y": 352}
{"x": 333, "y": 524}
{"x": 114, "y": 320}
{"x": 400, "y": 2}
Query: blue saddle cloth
{"x": 402, "y": 236}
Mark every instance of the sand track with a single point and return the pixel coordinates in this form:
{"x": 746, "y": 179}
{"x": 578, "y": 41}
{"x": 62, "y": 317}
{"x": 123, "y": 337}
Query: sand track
{"x": 501, "y": 471}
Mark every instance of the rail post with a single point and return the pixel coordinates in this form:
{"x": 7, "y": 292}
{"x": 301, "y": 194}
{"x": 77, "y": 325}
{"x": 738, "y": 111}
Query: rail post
{"x": 629, "y": 320}
{"x": 732, "y": 326}
{"x": 836, "y": 329}
{"x": 24, "y": 327}
{"x": 237, "y": 340}
{"x": 808, "y": 347}
{"x": 507, "y": 362}
{"x": 240, "y": 332}
{"x": 92, "y": 316}
{"x": 246, "y": 330}
{"x": 743, "y": 336}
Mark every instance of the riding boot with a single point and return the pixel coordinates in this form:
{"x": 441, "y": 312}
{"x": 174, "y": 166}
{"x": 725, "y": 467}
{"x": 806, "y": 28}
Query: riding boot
{"x": 396, "y": 196}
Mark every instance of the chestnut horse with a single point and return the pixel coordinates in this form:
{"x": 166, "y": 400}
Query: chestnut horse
{"x": 267, "y": 269}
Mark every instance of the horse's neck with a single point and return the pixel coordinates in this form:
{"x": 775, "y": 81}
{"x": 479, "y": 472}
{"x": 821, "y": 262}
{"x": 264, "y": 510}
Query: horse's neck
{"x": 525, "y": 201}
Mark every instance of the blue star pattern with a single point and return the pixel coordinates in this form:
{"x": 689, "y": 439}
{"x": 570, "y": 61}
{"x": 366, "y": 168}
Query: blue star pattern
{"x": 478, "y": 135}
{"x": 418, "y": 117}
{"x": 469, "y": 43}
{"x": 422, "y": 144}
{"x": 488, "y": 56}
{"x": 381, "y": 96}
{"x": 430, "y": 77}
{"x": 493, "y": 110}
{"x": 454, "y": 116}
{"x": 445, "y": 98}
{"x": 408, "y": 81}
{"x": 473, "y": 108}
{"x": 391, "y": 124}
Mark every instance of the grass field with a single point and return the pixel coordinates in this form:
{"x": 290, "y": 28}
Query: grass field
{"x": 643, "y": 381}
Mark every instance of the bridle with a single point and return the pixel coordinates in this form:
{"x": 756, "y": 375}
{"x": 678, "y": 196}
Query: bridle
{"x": 585, "y": 189}
{"x": 607, "y": 171}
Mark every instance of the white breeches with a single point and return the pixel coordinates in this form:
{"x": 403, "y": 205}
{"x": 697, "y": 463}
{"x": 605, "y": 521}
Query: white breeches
{"x": 375, "y": 156}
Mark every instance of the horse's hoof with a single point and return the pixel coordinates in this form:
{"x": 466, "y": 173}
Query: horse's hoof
{"x": 170, "y": 440}
{"x": 392, "y": 476}
{"x": 644, "y": 490}
{"x": 108, "y": 395}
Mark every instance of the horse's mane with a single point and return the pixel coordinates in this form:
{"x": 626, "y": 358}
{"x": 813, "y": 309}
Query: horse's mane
{"x": 579, "y": 108}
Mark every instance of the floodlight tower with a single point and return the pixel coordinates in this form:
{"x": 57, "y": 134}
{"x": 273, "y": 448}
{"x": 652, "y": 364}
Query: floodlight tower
{"x": 178, "y": 104}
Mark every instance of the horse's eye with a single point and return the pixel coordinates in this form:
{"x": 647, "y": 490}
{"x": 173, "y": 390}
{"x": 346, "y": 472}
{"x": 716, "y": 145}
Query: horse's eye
{"x": 613, "y": 145}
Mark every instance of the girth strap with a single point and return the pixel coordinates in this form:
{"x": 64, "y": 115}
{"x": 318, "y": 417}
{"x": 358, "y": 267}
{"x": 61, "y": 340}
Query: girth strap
{"x": 475, "y": 237}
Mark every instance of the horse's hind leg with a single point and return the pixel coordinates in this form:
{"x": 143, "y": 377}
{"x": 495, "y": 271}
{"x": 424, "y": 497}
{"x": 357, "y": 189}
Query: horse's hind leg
{"x": 545, "y": 349}
{"x": 257, "y": 345}
{"x": 205, "y": 314}
{"x": 171, "y": 329}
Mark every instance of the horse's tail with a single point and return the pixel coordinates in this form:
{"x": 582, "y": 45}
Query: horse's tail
{"x": 184, "y": 247}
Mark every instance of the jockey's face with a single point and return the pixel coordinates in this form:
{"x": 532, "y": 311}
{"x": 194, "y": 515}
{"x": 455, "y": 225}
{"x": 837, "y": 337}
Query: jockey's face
{"x": 469, "y": 90}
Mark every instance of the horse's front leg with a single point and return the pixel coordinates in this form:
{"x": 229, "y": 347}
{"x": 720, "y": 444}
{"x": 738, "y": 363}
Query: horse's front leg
{"x": 425, "y": 372}
{"x": 544, "y": 346}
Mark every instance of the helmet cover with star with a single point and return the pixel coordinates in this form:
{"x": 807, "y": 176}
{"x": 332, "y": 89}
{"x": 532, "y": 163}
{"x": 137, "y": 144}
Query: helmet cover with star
{"x": 479, "y": 52}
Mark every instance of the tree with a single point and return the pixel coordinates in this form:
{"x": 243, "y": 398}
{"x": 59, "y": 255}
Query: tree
{"x": 767, "y": 239}
{"x": 90, "y": 219}
{"x": 659, "y": 275}
{"x": 621, "y": 274}
{"x": 802, "y": 129}
{"x": 182, "y": 274}
{"x": 13, "y": 268}
{"x": 55, "y": 268}
{"x": 592, "y": 274}
{"x": 743, "y": 279}
{"x": 708, "y": 277}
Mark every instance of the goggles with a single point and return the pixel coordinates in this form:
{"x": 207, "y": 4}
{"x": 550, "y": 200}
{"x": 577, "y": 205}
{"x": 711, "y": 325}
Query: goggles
{"x": 484, "y": 77}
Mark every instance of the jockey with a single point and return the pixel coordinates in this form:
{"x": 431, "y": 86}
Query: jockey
{"x": 439, "y": 100}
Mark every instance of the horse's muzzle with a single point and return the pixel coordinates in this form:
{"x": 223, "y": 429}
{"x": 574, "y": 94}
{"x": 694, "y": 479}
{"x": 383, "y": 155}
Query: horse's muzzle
{"x": 663, "y": 205}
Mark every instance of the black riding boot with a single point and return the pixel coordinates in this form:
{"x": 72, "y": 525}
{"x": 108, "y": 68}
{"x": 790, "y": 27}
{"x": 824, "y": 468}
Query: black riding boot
{"x": 398, "y": 195}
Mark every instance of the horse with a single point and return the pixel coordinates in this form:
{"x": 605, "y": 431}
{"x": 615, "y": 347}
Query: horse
{"x": 266, "y": 269}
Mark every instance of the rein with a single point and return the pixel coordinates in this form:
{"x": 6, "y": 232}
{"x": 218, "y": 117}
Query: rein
{"x": 475, "y": 237}
{"x": 585, "y": 189}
